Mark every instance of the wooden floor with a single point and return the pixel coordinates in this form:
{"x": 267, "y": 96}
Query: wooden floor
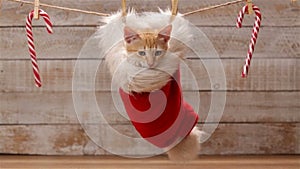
{"x": 100, "y": 162}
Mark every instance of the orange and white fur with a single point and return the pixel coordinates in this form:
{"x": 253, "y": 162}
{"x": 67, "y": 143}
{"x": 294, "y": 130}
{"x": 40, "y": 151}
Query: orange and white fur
{"x": 143, "y": 54}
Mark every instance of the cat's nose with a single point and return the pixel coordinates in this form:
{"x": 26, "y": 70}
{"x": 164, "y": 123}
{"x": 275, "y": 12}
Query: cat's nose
{"x": 150, "y": 62}
{"x": 151, "y": 65}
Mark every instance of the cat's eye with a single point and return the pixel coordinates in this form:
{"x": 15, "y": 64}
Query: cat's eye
{"x": 142, "y": 53}
{"x": 158, "y": 53}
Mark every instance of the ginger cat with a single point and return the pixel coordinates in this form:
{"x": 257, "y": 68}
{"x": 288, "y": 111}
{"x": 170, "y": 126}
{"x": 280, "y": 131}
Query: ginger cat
{"x": 145, "y": 49}
{"x": 146, "y": 64}
{"x": 143, "y": 63}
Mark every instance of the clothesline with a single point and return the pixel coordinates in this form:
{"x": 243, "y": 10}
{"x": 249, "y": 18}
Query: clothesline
{"x": 106, "y": 14}
{"x": 213, "y": 7}
{"x": 247, "y": 9}
{"x": 62, "y": 8}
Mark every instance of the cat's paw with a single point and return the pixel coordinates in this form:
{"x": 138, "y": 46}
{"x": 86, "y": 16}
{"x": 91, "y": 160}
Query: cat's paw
{"x": 187, "y": 149}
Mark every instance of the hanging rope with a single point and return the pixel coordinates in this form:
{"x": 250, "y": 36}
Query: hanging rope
{"x": 212, "y": 7}
{"x": 174, "y": 13}
{"x": 124, "y": 5}
{"x": 63, "y": 8}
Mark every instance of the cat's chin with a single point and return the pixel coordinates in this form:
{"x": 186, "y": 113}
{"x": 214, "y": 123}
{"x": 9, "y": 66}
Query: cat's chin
{"x": 145, "y": 79}
{"x": 139, "y": 64}
{"x": 146, "y": 67}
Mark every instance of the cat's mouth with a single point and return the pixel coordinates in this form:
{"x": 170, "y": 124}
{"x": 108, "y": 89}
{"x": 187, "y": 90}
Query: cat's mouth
{"x": 145, "y": 66}
{"x": 149, "y": 68}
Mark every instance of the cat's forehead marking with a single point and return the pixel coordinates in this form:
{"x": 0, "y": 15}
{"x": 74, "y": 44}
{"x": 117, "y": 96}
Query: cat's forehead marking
{"x": 149, "y": 40}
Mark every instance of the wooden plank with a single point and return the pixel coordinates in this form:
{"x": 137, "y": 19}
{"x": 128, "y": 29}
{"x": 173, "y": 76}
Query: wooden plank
{"x": 258, "y": 138}
{"x": 161, "y": 162}
{"x": 277, "y": 13}
{"x": 233, "y": 43}
{"x": 58, "y": 108}
{"x": 66, "y": 42}
{"x": 57, "y": 75}
{"x": 63, "y": 43}
{"x": 53, "y": 140}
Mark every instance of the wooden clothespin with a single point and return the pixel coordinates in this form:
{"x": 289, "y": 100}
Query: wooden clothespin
{"x": 174, "y": 7}
{"x": 174, "y": 10}
{"x": 293, "y": 1}
{"x": 250, "y": 7}
{"x": 124, "y": 12}
{"x": 36, "y": 9}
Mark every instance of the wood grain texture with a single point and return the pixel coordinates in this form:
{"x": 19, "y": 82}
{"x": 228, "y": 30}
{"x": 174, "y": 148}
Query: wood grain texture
{"x": 277, "y": 138}
{"x": 66, "y": 42}
{"x": 277, "y": 13}
{"x": 265, "y": 74}
{"x": 161, "y": 162}
{"x": 58, "y": 108}
{"x": 261, "y": 114}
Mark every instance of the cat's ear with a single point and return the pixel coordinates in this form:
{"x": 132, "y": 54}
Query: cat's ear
{"x": 130, "y": 35}
{"x": 165, "y": 33}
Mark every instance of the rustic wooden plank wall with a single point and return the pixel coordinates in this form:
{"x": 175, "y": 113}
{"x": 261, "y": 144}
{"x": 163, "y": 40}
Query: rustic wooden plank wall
{"x": 261, "y": 115}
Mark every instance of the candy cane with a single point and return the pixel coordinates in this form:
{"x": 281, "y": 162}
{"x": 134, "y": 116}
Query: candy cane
{"x": 31, "y": 42}
{"x": 253, "y": 36}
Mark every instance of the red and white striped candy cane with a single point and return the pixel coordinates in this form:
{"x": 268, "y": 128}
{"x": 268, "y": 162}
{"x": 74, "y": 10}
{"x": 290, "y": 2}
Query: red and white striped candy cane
{"x": 31, "y": 42}
{"x": 253, "y": 36}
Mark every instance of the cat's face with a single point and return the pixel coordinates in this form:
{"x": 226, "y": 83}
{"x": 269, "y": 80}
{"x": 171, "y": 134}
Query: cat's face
{"x": 145, "y": 49}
